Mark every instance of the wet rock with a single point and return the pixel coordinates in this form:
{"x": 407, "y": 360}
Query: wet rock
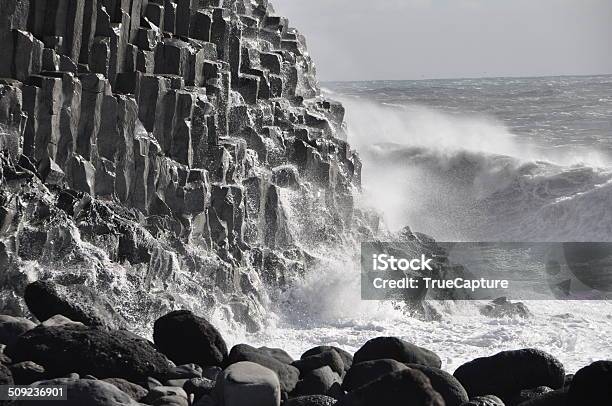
{"x": 12, "y": 327}
{"x": 288, "y": 375}
{"x": 134, "y": 391}
{"x": 591, "y": 385}
{"x": 326, "y": 358}
{"x": 554, "y": 398}
{"x": 507, "y": 373}
{"x": 397, "y": 349}
{"x": 365, "y": 372}
{"x": 199, "y": 387}
{"x": 528, "y": 394}
{"x": 394, "y": 389}
{"x": 185, "y": 337}
{"x": 277, "y": 353}
{"x": 166, "y": 396}
{"x": 90, "y": 392}
{"x": 488, "y": 400}
{"x": 248, "y": 383}
{"x": 320, "y": 381}
{"x": 502, "y": 307}
{"x": 347, "y": 358}
{"x": 445, "y": 384}
{"x": 312, "y": 400}
{"x": 101, "y": 353}
{"x": 46, "y": 299}
{"x": 26, "y": 372}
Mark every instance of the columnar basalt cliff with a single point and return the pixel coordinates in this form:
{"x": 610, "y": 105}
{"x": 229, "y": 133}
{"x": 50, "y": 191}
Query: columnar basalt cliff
{"x": 157, "y": 151}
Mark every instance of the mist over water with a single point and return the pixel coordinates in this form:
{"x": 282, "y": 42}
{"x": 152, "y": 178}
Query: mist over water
{"x": 468, "y": 160}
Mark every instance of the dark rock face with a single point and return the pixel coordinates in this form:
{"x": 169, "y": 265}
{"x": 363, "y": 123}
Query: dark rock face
{"x": 445, "y": 384}
{"x": 45, "y": 299}
{"x": 12, "y": 327}
{"x": 592, "y": 385}
{"x": 288, "y": 375}
{"x": 27, "y": 372}
{"x": 507, "y": 373}
{"x": 101, "y": 353}
{"x": 134, "y": 391}
{"x": 394, "y": 389}
{"x": 133, "y": 131}
{"x": 397, "y": 349}
{"x": 185, "y": 337}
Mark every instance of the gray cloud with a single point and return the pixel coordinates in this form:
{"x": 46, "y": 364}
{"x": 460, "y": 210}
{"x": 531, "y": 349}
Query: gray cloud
{"x": 413, "y": 39}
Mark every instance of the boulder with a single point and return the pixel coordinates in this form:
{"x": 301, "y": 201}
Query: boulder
{"x": 397, "y": 349}
{"x": 528, "y": 394}
{"x": 312, "y": 400}
{"x": 320, "y": 381}
{"x": 365, "y": 372}
{"x": 26, "y": 372}
{"x": 555, "y": 398}
{"x": 199, "y": 387}
{"x": 46, "y": 299}
{"x": 395, "y": 389}
{"x": 592, "y": 385}
{"x": 248, "y": 383}
{"x": 277, "y": 353}
{"x": 134, "y": 391}
{"x": 12, "y": 327}
{"x": 288, "y": 375}
{"x": 445, "y": 384}
{"x": 89, "y": 392}
{"x": 347, "y": 357}
{"x": 488, "y": 400}
{"x": 167, "y": 396}
{"x": 6, "y": 376}
{"x": 327, "y": 358}
{"x": 185, "y": 338}
{"x": 94, "y": 351}
{"x": 507, "y": 373}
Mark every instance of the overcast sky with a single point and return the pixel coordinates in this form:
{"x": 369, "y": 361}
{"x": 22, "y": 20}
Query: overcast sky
{"x": 416, "y": 39}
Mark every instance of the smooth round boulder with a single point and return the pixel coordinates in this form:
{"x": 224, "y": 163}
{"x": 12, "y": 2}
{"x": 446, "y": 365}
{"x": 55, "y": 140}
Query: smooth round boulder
{"x": 592, "y": 385}
{"x": 445, "y": 384}
{"x": 488, "y": 400}
{"x": 328, "y": 358}
{"x": 365, "y": 372}
{"x": 277, "y": 353}
{"x": 397, "y": 349}
{"x": 186, "y": 338}
{"x": 65, "y": 349}
{"x": 507, "y": 373}
{"x": 89, "y": 392}
{"x": 320, "y": 381}
{"x": 288, "y": 375}
{"x": 12, "y": 327}
{"x": 134, "y": 391}
{"x": 313, "y": 400}
{"x": 167, "y": 396}
{"x": 248, "y": 383}
{"x": 399, "y": 388}
{"x": 347, "y": 357}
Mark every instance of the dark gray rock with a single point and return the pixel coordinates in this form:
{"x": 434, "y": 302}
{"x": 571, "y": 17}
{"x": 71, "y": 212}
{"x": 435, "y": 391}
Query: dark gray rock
{"x": 488, "y": 400}
{"x": 327, "y": 358}
{"x": 555, "y": 398}
{"x": 101, "y": 353}
{"x": 312, "y": 400}
{"x": 27, "y": 372}
{"x": 185, "y": 338}
{"x": 397, "y": 349}
{"x": 395, "y": 388}
{"x": 528, "y": 394}
{"x": 12, "y": 327}
{"x": 365, "y": 372}
{"x": 507, "y": 373}
{"x": 347, "y": 357}
{"x": 288, "y": 375}
{"x": 46, "y": 299}
{"x": 134, "y": 391}
{"x": 445, "y": 384}
{"x": 320, "y": 381}
{"x": 591, "y": 385}
{"x": 90, "y": 392}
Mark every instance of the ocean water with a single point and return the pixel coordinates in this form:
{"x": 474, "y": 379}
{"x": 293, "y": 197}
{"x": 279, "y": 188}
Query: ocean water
{"x": 502, "y": 159}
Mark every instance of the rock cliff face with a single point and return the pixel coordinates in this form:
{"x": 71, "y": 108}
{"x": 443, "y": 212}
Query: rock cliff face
{"x": 159, "y": 154}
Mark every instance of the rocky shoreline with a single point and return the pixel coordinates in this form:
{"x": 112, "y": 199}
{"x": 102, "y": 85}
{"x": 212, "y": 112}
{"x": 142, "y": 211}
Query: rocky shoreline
{"x": 189, "y": 363}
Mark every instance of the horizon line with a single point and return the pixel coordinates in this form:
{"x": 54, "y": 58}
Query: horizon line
{"x": 470, "y": 78}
